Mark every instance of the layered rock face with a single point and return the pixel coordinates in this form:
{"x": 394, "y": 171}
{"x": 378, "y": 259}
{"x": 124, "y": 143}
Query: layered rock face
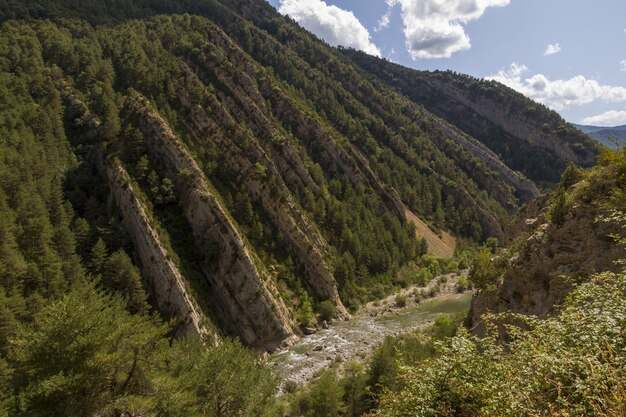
{"x": 545, "y": 259}
{"x": 525, "y": 135}
{"x": 239, "y": 282}
{"x": 265, "y": 179}
{"x": 167, "y": 283}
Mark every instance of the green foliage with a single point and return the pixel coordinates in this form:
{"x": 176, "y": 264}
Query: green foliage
{"x": 326, "y": 310}
{"x": 559, "y": 208}
{"x": 228, "y": 380}
{"x": 98, "y": 256}
{"x": 86, "y": 354}
{"x": 400, "y": 300}
{"x": 486, "y": 269}
{"x": 570, "y": 176}
{"x": 121, "y": 276}
{"x": 305, "y": 313}
{"x": 354, "y": 382}
{"x": 571, "y": 363}
{"x": 323, "y": 399}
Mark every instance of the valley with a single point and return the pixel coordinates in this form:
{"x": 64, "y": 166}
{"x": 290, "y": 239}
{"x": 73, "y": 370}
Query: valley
{"x": 358, "y": 337}
{"x": 203, "y": 205}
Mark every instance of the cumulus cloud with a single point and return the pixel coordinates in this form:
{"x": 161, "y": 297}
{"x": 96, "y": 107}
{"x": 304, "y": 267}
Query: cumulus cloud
{"x": 609, "y": 118}
{"x": 434, "y": 28}
{"x": 336, "y": 26}
{"x": 553, "y": 48}
{"x": 385, "y": 19}
{"x": 623, "y": 65}
{"x": 558, "y": 94}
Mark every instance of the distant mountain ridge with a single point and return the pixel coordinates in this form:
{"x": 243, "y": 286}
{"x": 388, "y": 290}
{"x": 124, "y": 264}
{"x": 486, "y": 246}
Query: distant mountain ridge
{"x": 603, "y": 133}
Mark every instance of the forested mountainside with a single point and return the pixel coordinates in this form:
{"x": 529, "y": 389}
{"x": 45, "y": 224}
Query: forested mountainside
{"x": 528, "y": 136}
{"x": 212, "y": 166}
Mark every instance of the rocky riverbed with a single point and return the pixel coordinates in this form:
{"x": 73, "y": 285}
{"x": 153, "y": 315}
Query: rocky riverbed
{"x": 357, "y": 337}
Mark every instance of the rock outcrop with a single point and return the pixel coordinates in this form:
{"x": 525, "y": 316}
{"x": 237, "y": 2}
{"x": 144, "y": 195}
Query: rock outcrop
{"x": 240, "y": 283}
{"x": 526, "y": 136}
{"x": 166, "y": 281}
{"x": 269, "y": 189}
{"x": 545, "y": 259}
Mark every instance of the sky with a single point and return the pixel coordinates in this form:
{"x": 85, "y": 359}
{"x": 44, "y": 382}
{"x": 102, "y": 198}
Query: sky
{"x": 567, "y": 54}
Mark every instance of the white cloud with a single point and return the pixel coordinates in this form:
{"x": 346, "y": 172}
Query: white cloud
{"x": 623, "y": 65}
{"x": 558, "y": 94}
{"x": 434, "y": 28}
{"x": 609, "y": 118}
{"x": 553, "y": 48}
{"x": 336, "y": 26}
{"x": 385, "y": 19}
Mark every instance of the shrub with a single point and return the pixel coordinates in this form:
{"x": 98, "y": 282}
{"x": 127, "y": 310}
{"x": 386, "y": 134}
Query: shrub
{"x": 462, "y": 285}
{"x": 327, "y": 310}
{"x": 572, "y": 363}
{"x": 400, "y": 300}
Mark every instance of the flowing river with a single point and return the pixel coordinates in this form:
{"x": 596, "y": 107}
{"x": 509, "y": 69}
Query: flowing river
{"x": 359, "y": 336}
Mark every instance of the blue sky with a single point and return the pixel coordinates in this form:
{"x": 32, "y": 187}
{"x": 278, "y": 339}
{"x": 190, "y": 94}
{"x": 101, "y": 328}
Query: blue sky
{"x": 567, "y": 54}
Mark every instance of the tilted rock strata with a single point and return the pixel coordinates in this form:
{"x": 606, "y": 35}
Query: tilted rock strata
{"x": 167, "y": 282}
{"x": 242, "y": 287}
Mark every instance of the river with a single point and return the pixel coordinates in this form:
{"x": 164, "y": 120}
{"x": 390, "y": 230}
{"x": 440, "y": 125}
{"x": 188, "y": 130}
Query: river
{"x": 359, "y": 336}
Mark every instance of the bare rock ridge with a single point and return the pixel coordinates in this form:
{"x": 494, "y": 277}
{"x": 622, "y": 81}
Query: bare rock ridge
{"x": 525, "y": 135}
{"x": 523, "y": 187}
{"x": 243, "y": 288}
{"x": 268, "y": 189}
{"x": 519, "y": 127}
{"x": 168, "y": 284}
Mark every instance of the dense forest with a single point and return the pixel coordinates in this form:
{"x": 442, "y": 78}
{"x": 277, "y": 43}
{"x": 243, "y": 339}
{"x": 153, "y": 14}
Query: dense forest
{"x": 186, "y": 184}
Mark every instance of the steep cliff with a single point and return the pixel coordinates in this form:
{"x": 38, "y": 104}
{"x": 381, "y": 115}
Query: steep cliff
{"x": 241, "y": 285}
{"x": 556, "y": 243}
{"x": 166, "y": 281}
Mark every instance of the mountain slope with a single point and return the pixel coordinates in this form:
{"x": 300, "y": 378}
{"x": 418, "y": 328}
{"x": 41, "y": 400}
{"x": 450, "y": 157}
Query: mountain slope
{"x": 250, "y": 171}
{"x": 529, "y": 137}
{"x": 557, "y": 242}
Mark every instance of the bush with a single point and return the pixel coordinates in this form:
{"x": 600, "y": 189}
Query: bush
{"x": 327, "y": 310}
{"x": 400, "y": 300}
{"x": 485, "y": 270}
{"x": 434, "y": 290}
{"x": 462, "y": 285}
{"x": 573, "y": 362}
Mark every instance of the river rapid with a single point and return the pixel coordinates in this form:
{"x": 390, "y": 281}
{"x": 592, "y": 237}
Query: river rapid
{"x": 357, "y": 337}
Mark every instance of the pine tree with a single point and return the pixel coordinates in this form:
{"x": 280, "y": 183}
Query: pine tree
{"x": 98, "y": 256}
{"x": 122, "y": 276}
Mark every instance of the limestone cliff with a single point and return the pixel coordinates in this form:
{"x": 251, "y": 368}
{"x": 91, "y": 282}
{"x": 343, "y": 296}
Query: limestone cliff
{"x": 525, "y": 135}
{"x": 270, "y": 188}
{"x": 241, "y": 285}
{"x": 166, "y": 281}
{"x": 553, "y": 244}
